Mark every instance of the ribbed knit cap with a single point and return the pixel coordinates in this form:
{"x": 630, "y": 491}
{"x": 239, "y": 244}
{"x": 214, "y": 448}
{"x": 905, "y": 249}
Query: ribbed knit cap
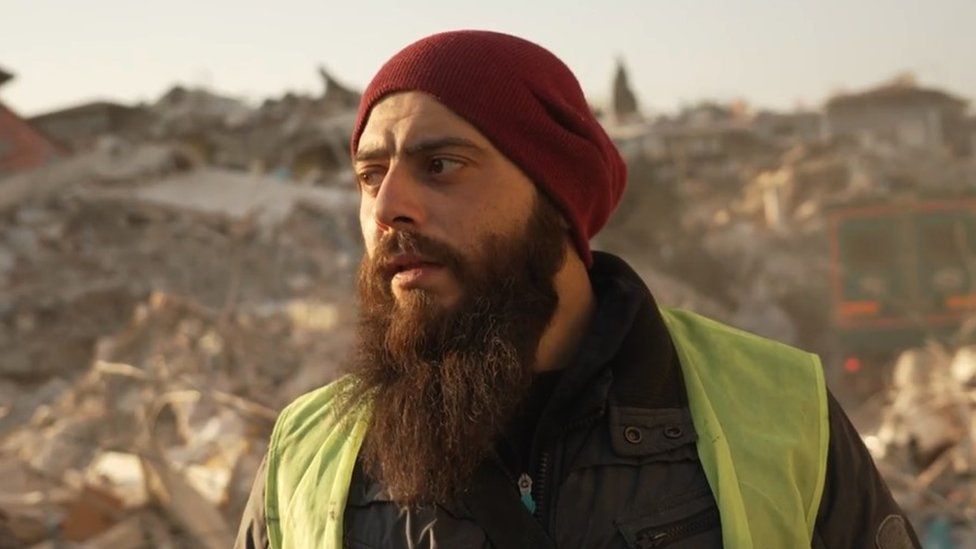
{"x": 528, "y": 104}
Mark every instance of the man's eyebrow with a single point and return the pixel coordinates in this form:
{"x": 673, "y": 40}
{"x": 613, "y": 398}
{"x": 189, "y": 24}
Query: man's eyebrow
{"x": 433, "y": 144}
{"x": 376, "y": 153}
{"x": 423, "y": 146}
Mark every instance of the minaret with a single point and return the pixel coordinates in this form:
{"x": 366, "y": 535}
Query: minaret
{"x": 624, "y": 100}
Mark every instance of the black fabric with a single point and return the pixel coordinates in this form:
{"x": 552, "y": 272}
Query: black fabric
{"x": 500, "y": 513}
{"x": 625, "y": 377}
{"x": 515, "y": 449}
{"x": 635, "y": 385}
{"x": 856, "y": 501}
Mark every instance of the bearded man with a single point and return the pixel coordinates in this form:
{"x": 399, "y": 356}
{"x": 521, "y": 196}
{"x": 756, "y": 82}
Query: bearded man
{"x": 510, "y": 387}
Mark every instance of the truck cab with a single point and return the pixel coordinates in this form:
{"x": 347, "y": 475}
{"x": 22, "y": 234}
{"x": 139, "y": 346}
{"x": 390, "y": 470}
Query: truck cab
{"x": 901, "y": 272}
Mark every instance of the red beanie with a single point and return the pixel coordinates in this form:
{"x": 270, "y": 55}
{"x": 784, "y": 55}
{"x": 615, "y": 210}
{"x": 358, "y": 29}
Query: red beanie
{"x": 528, "y": 104}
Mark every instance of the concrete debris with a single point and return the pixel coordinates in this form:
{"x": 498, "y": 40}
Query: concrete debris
{"x": 121, "y": 475}
{"x": 188, "y": 508}
{"x": 925, "y": 440}
{"x": 173, "y": 415}
{"x": 189, "y": 270}
{"x": 162, "y": 295}
{"x": 93, "y": 513}
{"x": 128, "y": 533}
{"x": 239, "y": 195}
{"x": 297, "y": 137}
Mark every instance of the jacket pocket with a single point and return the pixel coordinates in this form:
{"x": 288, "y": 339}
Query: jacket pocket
{"x": 695, "y": 523}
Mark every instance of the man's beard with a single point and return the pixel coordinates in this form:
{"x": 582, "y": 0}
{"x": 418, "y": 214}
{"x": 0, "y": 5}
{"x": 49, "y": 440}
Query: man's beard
{"x": 445, "y": 382}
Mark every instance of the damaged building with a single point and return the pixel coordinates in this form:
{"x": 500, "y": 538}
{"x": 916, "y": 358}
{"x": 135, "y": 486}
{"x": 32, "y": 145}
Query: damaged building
{"x": 23, "y": 146}
{"x": 194, "y": 260}
{"x": 903, "y": 114}
{"x": 78, "y": 127}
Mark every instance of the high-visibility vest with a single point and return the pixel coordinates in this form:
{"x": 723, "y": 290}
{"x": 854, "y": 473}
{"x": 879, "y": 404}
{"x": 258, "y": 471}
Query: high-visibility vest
{"x": 760, "y": 409}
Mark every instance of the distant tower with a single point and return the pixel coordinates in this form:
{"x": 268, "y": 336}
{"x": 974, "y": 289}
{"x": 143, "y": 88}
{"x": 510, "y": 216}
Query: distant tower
{"x": 624, "y": 100}
{"x": 337, "y": 98}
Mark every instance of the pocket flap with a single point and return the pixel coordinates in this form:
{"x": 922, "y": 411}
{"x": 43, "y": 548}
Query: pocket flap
{"x": 636, "y": 432}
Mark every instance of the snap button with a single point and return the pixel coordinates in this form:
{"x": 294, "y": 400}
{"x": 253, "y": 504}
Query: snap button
{"x": 672, "y": 432}
{"x": 633, "y": 435}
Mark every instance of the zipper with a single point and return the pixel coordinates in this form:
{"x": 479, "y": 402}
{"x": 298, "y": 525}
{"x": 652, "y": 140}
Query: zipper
{"x": 659, "y": 536}
{"x": 542, "y": 477}
{"x": 539, "y": 487}
{"x": 525, "y": 490}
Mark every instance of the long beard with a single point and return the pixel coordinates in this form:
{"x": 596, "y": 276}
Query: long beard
{"x": 445, "y": 383}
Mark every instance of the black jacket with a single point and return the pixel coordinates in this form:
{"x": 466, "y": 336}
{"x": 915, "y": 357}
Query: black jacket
{"x": 594, "y": 487}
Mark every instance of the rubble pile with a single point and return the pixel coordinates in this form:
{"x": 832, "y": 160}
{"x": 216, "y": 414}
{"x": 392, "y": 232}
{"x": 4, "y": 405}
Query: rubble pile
{"x": 163, "y": 434}
{"x": 767, "y": 272}
{"x": 189, "y": 270}
{"x": 296, "y": 137}
{"x": 154, "y": 317}
{"x": 925, "y": 442}
{"x": 738, "y": 211}
{"x": 78, "y": 261}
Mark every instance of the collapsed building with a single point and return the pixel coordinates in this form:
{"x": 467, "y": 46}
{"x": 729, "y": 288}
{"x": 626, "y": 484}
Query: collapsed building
{"x": 188, "y": 270}
{"x": 23, "y": 146}
{"x": 133, "y": 283}
{"x": 294, "y": 137}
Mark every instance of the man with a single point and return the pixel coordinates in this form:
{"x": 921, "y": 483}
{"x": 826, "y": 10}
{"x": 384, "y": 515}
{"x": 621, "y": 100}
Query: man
{"x": 510, "y": 387}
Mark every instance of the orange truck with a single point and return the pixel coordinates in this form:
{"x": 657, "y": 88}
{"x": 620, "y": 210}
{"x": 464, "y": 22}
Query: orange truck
{"x": 901, "y": 272}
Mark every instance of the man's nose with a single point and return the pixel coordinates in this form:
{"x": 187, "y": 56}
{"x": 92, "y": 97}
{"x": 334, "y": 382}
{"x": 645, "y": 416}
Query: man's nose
{"x": 399, "y": 202}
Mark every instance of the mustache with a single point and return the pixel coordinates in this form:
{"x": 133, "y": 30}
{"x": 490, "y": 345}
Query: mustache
{"x": 412, "y": 242}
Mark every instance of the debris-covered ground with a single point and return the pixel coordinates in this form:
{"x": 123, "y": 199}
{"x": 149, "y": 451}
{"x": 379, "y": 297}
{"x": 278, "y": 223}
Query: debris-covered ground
{"x": 155, "y": 316}
{"x": 173, "y": 283}
{"x": 924, "y": 441}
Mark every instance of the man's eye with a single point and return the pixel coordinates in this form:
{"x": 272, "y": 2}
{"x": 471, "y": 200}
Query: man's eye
{"x": 440, "y": 166}
{"x": 370, "y": 178}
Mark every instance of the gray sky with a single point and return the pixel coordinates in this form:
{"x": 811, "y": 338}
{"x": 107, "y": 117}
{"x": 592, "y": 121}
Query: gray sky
{"x": 772, "y": 53}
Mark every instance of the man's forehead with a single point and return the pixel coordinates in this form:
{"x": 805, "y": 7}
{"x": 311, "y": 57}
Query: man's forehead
{"x": 402, "y": 119}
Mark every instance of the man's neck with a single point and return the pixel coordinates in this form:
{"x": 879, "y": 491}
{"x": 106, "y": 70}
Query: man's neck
{"x": 572, "y": 318}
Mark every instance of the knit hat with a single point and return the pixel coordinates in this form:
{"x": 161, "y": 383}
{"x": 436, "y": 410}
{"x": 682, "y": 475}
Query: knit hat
{"x": 528, "y": 104}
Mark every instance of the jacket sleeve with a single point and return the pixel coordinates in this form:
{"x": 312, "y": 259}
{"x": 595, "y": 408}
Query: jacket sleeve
{"x": 857, "y": 509}
{"x": 253, "y": 531}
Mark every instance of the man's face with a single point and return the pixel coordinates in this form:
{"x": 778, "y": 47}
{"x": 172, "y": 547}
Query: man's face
{"x": 456, "y": 291}
{"x": 424, "y": 170}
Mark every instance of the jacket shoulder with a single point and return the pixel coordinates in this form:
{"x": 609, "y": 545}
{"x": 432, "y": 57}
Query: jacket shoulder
{"x": 309, "y": 411}
{"x": 715, "y": 339}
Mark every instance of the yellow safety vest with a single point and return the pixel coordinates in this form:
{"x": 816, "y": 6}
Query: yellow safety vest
{"x": 760, "y": 409}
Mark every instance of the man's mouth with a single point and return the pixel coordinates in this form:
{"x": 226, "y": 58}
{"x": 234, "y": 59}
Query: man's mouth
{"x": 407, "y": 268}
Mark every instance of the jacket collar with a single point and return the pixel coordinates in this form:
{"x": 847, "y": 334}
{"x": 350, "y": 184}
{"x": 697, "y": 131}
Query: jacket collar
{"x": 626, "y": 368}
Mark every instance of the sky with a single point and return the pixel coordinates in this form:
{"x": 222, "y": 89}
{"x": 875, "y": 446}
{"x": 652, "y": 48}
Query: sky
{"x": 778, "y": 54}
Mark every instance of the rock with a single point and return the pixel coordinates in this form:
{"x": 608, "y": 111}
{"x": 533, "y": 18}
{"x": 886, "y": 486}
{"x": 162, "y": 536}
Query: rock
{"x": 94, "y": 512}
{"x": 121, "y": 475}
